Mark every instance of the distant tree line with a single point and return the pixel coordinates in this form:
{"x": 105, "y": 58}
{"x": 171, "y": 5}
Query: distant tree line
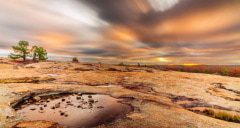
{"x": 21, "y": 51}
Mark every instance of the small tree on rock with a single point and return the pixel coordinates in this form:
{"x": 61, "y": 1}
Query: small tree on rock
{"x": 39, "y": 53}
{"x": 21, "y": 49}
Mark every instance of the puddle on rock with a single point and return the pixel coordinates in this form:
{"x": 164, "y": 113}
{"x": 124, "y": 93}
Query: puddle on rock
{"x": 73, "y": 110}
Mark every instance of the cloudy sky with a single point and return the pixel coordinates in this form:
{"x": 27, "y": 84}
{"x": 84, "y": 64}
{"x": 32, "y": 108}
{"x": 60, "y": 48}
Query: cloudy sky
{"x": 129, "y": 31}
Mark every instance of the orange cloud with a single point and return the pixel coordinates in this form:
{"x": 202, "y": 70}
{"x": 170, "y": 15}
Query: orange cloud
{"x": 201, "y": 22}
{"x": 119, "y": 33}
{"x": 54, "y": 39}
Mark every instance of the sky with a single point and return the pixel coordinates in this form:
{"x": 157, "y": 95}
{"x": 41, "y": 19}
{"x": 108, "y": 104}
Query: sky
{"x": 130, "y": 31}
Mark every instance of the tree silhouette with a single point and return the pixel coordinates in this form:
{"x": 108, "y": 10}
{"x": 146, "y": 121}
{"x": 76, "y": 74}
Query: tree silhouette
{"x": 39, "y": 53}
{"x": 21, "y": 49}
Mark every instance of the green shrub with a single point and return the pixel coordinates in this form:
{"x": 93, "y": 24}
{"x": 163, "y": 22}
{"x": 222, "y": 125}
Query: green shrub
{"x": 196, "y": 71}
{"x": 224, "y": 71}
{"x": 121, "y": 64}
{"x": 206, "y": 70}
{"x": 74, "y": 60}
{"x": 180, "y": 70}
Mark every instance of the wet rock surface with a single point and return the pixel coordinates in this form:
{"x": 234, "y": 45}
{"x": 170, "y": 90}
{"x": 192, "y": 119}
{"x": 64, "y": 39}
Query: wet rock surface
{"x": 73, "y": 111}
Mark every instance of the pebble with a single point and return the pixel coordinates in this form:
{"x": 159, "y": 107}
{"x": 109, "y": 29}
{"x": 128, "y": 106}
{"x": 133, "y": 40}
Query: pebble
{"x": 23, "y": 106}
{"x": 91, "y": 100}
{"x": 57, "y": 105}
{"x": 48, "y": 100}
{"x": 36, "y": 98}
{"x": 100, "y": 107}
{"x": 32, "y": 109}
{"x": 79, "y": 97}
{"x": 90, "y": 106}
{"x": 41, "y": 111}
{"x": 62, "y": 113}
{"x": 89, "y": 96}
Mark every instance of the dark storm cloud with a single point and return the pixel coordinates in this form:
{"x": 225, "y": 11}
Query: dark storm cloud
{"x": 125, "y": 13}
{"x": 118, "y": 11}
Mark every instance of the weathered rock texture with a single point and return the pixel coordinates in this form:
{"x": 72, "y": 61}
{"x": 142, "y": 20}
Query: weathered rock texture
{"x": 160, "y": 98}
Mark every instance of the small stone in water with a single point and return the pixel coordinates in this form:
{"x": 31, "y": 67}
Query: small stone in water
{"x": 41, "y": 111}
{"x": 90, "y": 106}
{"x": 100, "y": 107}
{"x": 63, "y": 99}
{"x": 78, "y": 97}
{"x": 66, "y": 115}
{"x": 45, "y": 105}
{"x": 53, "y": 107}
{"x": 62, "y": 113}
{"x": 57, "y": 105}
{"x": 41, "y": 108}
{"x": 90, "y": 100}
{"x": 89, "y": 96}
{"x": 32, "y": 109}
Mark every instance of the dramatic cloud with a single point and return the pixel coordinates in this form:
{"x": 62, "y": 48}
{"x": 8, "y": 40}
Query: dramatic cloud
{"x": 132, "y": 31}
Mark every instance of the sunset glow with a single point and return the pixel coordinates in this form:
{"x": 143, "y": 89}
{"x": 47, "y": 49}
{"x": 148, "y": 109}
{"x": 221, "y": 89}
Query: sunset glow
{"x": 163, "y": 59}
{"x": 191, "y": 64}
{"x": 131, "y": 31}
